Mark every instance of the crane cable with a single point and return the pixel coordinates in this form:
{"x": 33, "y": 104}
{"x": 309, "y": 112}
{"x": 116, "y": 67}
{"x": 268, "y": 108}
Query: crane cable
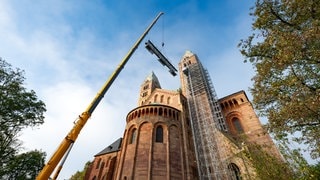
{"x": 162, "y": 43}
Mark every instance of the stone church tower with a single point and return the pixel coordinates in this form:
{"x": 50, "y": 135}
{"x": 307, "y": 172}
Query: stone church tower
{"x": 183, "y": 134}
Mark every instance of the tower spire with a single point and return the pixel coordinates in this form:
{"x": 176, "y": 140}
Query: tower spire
{"x": 147, "y": 87}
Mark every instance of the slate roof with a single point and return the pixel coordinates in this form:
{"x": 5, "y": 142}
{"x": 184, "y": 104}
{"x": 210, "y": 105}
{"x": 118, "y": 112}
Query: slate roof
{"x": 154, "y": 78}
{"x": 115, "y": 146}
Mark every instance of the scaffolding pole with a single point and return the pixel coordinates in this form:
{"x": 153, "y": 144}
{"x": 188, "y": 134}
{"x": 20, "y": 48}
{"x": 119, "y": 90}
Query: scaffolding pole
{"x": 207, "y": 120}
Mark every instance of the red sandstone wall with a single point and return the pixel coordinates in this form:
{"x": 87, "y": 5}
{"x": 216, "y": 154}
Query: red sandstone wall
{"x": 148, "y": 159}
{"x": 175, "y": 153}
{"x": 238, "y": 106}
{"x": 103, "y": 167}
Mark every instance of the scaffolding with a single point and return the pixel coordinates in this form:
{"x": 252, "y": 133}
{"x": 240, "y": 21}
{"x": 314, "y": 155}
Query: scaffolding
{"x": 206, "y": 119}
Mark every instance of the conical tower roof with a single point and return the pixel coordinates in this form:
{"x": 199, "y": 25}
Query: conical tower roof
{"x": 152, "y": 77}
{"x": 188, "y": 53}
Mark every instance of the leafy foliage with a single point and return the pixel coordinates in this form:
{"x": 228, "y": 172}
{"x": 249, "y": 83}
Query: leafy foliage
{"x": 285, "y": 51}
{"x": 300, "y": 167}
{"x": 19, "y": 109}
{"x": 266, "y": 165}
{"x": 292, "y": 165}
{"x": 314, "y": 171}
{"x": 80, "y": 175}
{"x": 25, "y": 166}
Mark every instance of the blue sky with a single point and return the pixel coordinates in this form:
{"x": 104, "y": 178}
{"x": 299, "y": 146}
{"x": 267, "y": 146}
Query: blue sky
{"x": 69, "y": 48}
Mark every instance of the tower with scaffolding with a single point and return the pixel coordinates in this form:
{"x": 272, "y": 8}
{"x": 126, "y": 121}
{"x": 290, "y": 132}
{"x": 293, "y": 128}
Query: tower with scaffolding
{"x": 185, "y": 134}
{"x": 205, "y": 115}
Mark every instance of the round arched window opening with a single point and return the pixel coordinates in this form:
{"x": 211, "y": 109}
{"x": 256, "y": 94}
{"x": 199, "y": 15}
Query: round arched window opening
{"x": 234, "y": 171}
{"x": 133, "y": 136}
{"x": 237, "y": 125}
{"x": 159, "y": 134}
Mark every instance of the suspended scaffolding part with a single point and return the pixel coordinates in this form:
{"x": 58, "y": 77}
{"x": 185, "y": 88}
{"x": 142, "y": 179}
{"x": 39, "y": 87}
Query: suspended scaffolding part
{"x": 162, "y": 59}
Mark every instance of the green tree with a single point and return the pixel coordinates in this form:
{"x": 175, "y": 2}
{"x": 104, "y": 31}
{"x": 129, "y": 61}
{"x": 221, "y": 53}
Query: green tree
{"x": 25, "y": 166}
{"x": 314, "y": 171}
{"x": 80, "y": 175}
{"x": 266, "y": 165}
{"x": 284, "y": 49}
{"x": 19, "y": 108}
{"x": 298, "y": 164}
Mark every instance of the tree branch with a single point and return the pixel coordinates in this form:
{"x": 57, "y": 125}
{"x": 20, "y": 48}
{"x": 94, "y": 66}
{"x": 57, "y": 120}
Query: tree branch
{"x": 281, "y": 19}
{"x": 301, "y": 81}
{"x": 305, "y": 124}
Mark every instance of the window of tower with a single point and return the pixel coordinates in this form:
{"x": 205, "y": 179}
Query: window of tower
{"x": 98, "y": 164}
{"x": 237, "y": 125}
{"x": 101, "y": 169}
{"x": 160, "y": 111}
{"x": 139, "y": 113}
{"x": 133, "y": 136}
{"x": 235, "y": 102}
{"x": 107, "y": 162}
{"x": 168, "y": 100}
{"x": 144, "y": 94}
{"x": 234, "y": 171}
{"x": 159, "y": 134}
{"x": 146, "y": 87}
{"x": 161, "y": 99}
{"x": 156, "y": 98}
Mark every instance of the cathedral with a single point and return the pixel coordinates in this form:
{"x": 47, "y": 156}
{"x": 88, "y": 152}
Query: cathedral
{"x": 184, "y": 134}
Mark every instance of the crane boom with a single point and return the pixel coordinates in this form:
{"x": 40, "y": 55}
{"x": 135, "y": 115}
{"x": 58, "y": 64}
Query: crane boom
{"x": 81, "y": 121}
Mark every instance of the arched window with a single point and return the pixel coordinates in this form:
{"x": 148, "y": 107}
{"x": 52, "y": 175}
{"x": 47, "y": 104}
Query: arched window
{"x": 237, "y": 125}
{"x": 159, "y": 134}
{"x": 98, "y": 164}
{"x": 160, "y": 111}
{"x": 230, "y": 103}
{"x": 234, "y": 171}
{"x": 168, "y": 100}
{"x": 235, "y": 102}
{"x": 156, "y": 98}
{"x": 133, "y": 136}
{"x": 101, "y": 169}
{"x": 161, "y": 98}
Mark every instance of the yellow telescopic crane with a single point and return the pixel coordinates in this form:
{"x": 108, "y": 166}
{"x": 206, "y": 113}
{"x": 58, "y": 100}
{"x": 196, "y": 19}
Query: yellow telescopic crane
{"x": 66, "y": 144}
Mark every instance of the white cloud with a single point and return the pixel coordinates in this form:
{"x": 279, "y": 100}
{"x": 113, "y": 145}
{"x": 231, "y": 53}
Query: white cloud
{"x": 68, "y": 51}
{"x": 67, "y": 62}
